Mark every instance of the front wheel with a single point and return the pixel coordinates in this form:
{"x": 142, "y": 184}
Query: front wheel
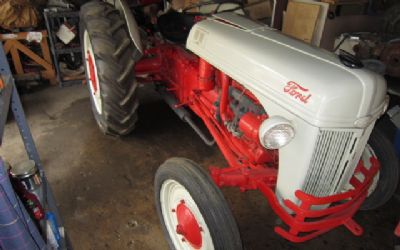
{"x": 192, "y": 210}
{"x": 385, "y": 182}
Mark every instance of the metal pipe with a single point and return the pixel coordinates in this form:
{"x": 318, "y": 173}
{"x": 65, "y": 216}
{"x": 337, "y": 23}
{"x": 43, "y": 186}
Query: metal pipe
{"x": 224, "y": 80}
{"x": 206, "y": 73}
{"x": 215, "y": 129}
{"x": 200, "y": 133}
{"x": 184, "y": 115}
{"x": 249, "y": 124}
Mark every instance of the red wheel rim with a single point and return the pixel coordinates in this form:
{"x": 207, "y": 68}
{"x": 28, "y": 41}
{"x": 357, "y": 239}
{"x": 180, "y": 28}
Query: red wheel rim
{"x": 92, "y": 72}
{"x": 188, "y": 226}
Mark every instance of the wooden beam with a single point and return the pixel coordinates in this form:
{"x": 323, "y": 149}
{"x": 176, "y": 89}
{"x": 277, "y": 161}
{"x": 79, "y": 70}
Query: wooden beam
{"x": 45, "y": 51}
{"x": 32, "y": 55}
{"x": 17, "y": 61}
{"x": 7, "y": 46}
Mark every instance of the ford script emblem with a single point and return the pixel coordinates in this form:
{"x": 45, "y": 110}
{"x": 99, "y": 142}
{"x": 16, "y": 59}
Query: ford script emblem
{"x": 297, "y": 91}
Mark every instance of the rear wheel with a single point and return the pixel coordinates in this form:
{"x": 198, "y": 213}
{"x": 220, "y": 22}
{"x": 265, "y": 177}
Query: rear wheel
{"x": 109, "y": 62}
{"x": 192, "y": 210}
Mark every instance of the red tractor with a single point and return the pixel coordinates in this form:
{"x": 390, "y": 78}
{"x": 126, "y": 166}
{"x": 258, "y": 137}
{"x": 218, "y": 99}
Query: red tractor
{"x": 292, "y": 121}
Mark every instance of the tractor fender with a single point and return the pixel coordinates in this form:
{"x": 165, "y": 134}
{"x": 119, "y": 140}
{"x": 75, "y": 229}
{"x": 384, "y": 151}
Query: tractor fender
{"x": 130, "y": 21}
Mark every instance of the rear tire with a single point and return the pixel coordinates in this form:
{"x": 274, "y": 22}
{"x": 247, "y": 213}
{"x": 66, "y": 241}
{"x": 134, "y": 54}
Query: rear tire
{"x": 78, "y": 3}
{"x": 183, "y": 191}
{"x": 109, "y": 57}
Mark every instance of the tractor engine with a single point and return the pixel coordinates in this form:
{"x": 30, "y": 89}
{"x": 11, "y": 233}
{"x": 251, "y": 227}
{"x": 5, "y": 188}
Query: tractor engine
{"x": 324, "y": 118}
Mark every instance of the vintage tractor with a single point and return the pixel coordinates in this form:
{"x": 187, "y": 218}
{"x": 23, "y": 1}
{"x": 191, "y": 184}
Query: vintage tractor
{"x": 292, "y": 121}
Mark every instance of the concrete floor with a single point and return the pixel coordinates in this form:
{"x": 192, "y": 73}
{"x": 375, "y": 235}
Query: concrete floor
{"x": 104, "y": 185}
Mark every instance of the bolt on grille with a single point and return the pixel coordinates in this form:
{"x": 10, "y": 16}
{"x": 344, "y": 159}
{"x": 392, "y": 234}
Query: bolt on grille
{"x": 329, "y": 162}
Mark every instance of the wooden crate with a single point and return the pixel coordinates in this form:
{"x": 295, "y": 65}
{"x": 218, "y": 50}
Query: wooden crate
{"x": 300, "y": 20}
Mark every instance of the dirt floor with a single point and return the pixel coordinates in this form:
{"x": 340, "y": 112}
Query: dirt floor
{"x": 104, "y": 185}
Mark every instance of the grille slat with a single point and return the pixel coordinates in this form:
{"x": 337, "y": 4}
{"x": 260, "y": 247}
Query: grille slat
{"x": 331, "y": 155}
{"x": 328, "y": 162}
{"x": 336, "y": 155}
{"x": 321, "y": 143}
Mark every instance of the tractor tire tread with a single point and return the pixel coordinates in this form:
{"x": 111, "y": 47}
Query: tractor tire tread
{"x": 207, "y": 195}
{"x": 113, "y": 51}
{"x": 389, "y": 174}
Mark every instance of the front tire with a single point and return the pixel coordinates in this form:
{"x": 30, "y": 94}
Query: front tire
{"x": 192, "y": 209}
{"x": 109, "y": 64}
{"x": 385, "y": 183}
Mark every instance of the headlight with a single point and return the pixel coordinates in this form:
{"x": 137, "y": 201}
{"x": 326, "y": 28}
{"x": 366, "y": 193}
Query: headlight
{"x": 275, "y": 132}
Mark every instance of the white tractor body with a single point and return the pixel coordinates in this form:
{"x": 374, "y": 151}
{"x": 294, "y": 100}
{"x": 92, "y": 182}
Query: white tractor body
{"x": 332, "y": 107}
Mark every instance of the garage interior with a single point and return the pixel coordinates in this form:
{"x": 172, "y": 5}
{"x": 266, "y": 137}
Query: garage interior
{"x": 103, "y": 184}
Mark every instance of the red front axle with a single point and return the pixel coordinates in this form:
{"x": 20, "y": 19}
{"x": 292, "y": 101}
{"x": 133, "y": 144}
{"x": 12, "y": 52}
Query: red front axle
{"x": 304, "y": 221}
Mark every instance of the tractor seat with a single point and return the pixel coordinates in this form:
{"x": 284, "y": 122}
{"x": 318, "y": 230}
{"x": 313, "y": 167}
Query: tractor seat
{"x": 175, "y": 26}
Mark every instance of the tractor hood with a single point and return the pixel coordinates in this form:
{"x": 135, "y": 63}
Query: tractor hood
{"x": 309, "y": 82}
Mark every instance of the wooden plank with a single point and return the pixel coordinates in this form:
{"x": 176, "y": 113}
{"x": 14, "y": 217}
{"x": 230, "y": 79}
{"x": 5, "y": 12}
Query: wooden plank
{"x": 7, "y": 46}
{"x": 16, "y": 61}
{"x": 300, "y": 20}
{"x": 320, "y": 24}
{"x": 45, "y": 50}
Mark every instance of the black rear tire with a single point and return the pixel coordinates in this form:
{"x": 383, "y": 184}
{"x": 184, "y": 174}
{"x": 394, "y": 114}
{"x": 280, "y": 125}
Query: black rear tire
{"x": 78, "y": 3}
{"x": 207, "y": 197}
{"x": 388, "y": 173}
{"x": 114, "y": 55}
{"x": 391, "y": 20}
